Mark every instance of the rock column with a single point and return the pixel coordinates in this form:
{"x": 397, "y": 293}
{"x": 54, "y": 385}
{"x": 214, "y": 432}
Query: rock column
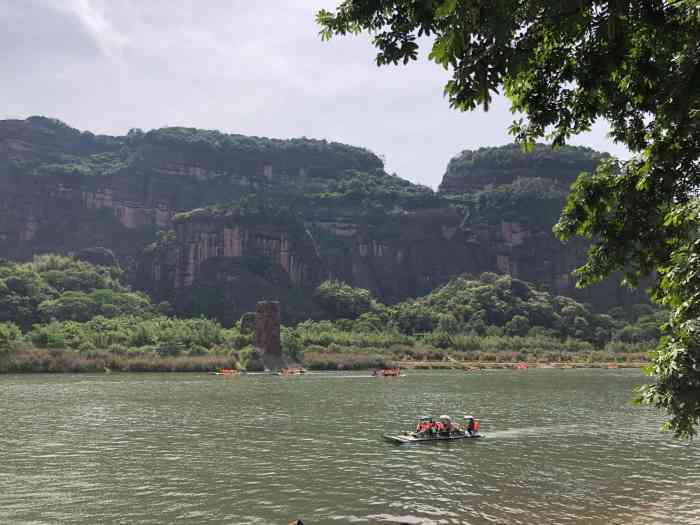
{"x": 267, "y": 328}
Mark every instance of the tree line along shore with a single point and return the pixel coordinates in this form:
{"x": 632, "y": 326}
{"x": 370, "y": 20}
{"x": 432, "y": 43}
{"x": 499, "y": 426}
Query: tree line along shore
{"x": 61, "y": 314}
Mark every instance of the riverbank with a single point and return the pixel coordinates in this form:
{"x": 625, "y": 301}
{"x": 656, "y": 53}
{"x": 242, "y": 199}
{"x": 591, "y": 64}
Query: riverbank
{"x": 32, "y": 360}
{"x": 427, "y": 358}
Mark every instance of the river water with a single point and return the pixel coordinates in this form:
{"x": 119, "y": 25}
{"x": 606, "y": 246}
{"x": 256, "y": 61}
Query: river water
{"x": 561, "y": 446}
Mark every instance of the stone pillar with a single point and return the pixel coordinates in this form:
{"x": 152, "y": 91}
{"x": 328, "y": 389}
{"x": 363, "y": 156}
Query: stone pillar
{"x": 267, "y": 328}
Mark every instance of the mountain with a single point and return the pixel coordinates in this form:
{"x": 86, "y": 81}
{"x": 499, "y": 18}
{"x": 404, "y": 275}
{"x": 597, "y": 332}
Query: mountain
{"x": 62, "y": 189}
{"x": 213, "y": 222}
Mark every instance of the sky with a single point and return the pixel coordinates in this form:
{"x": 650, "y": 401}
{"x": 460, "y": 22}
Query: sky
{"x": 255, "y": 68}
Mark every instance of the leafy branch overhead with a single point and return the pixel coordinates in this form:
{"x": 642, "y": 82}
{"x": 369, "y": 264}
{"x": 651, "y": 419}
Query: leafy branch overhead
{"x": 564, "y": 65}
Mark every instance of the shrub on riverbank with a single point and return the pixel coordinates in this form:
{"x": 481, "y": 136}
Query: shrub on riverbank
{"x": 324, "y": 333}
{"x": 10, "y": 334}
{"x": 164, "y": 335}
{"x": 335, "y": 355}
{"x": 26, "y": 358}
{"x": 57, "y": 287}
{"x": 346, "y": 361}
{"x": 488, "y": 305}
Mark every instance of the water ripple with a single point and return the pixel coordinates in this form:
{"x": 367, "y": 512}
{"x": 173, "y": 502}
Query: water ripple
{"x": 561, "y": 447}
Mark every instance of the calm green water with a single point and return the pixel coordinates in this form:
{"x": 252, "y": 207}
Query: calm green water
{"x": 562, "y": 446}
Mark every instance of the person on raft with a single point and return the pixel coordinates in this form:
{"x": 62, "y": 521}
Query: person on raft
{"x": 423, "y": 427}
{"x": 446, "y": 426}
{"x": 472, "y": 425}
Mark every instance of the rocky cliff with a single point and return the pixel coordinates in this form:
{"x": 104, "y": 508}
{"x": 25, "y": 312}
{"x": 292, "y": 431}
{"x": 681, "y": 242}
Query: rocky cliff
{"x": 512, "y": 199}
{"x": 214, "y": 223}
{"x": 62, "y": 189}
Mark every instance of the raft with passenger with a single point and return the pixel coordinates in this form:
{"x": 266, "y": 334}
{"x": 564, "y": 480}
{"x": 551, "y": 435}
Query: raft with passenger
{"x": 443, "y": 428}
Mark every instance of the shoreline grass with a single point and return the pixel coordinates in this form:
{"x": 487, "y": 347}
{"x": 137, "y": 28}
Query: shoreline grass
{"x": 38, "y": 360}
{"x": 69, "y": 361}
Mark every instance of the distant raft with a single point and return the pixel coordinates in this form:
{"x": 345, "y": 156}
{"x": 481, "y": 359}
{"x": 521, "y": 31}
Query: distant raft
{"x": 387, "y": 372}
{"x": 291, "y": 371}
{"x": 226, "y": 372}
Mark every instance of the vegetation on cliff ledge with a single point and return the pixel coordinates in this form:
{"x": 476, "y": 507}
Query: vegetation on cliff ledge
{"x": 505, "y": 183}
{"x": 500, "y": 165}
{"x": 358, "y": 195}
{"x": 87, "y": 155}
{"x": 330, "y": 156}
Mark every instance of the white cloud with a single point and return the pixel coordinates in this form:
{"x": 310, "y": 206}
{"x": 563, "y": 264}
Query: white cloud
{"x": 109, "y": 40}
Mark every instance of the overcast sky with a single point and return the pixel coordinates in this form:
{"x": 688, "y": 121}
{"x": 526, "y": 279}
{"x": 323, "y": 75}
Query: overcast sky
{"x": 256, "y": 68}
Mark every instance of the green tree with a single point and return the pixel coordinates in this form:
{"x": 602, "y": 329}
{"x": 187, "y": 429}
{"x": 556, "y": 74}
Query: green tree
{"x": 341, "y": 300}
{"x": 519, "y": 325}
{"x": 415, "y": 318}
{"x": 9, "y": 334}
{"x": 563, "y": 65}
{"x": 291, "y": 344}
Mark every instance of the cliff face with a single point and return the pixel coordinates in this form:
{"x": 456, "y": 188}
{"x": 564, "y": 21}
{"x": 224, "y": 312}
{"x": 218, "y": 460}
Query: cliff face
{"x": 240, "y": 262}
{"x": 513, "y": 199}
{"x": 299, "y": 211}
{"x": 61, "y": 189}
{"x": 243, "y": 259}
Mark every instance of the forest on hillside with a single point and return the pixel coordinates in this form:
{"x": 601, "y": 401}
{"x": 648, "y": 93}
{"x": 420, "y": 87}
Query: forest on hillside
{"x": 64, "y": 314}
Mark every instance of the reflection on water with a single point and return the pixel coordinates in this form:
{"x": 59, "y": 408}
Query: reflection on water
{"x": 562, "y": 446}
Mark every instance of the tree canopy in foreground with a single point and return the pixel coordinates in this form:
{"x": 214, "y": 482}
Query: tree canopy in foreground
{"x": 564, "y": 64}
